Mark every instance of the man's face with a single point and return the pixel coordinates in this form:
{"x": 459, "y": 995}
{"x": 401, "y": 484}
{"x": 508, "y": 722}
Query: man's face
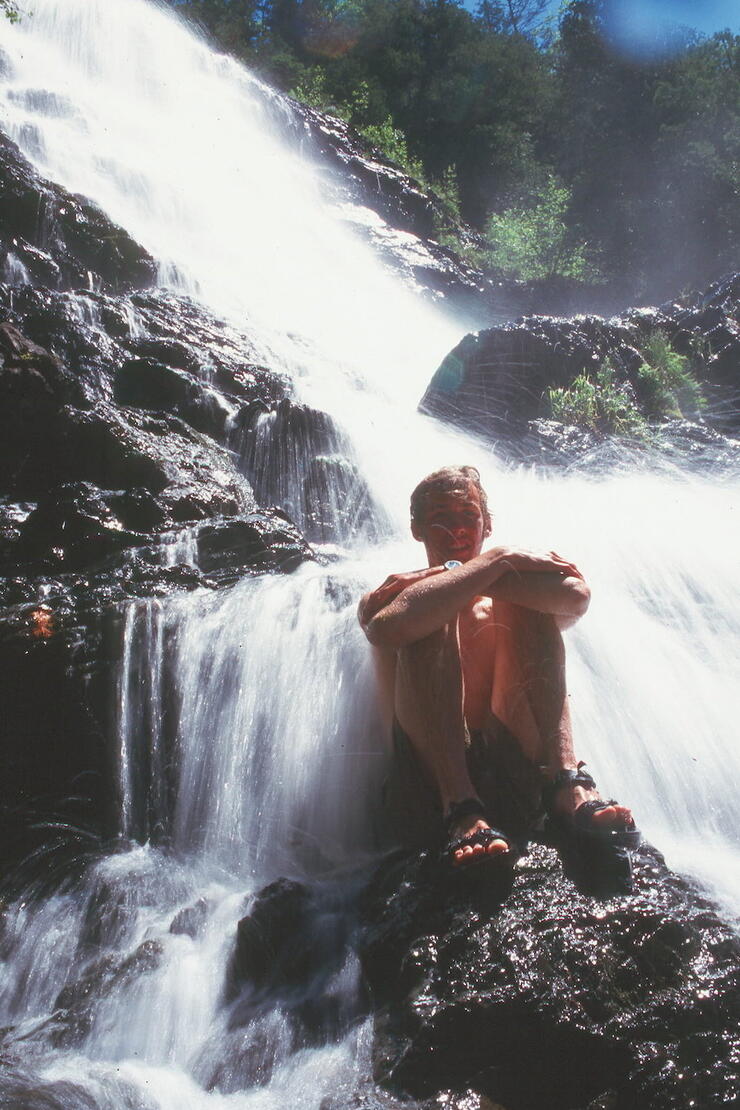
{"x": 453, "y": 526}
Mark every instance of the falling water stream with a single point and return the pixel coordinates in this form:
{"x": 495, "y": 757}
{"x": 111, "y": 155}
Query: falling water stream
{"x": 265, "y": 690}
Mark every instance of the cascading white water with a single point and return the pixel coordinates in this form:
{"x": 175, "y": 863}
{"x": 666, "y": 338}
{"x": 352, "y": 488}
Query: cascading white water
{"x": 274, "y": 750}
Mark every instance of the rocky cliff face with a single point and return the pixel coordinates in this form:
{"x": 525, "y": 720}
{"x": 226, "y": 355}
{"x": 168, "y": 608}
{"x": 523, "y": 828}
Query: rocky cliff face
{"x": 125, "y": 413}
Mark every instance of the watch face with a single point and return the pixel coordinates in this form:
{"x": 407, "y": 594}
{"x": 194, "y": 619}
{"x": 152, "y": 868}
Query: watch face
{"x": 452, "y": 563}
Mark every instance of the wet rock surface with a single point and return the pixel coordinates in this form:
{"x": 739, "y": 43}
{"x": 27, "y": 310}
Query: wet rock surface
{"x": 495, "y": 383}
{"x": 61, "y": 240}
{"x": 286, "y": 968}
{"x": 552, "y": 998}
{"x": 119, "y": 471}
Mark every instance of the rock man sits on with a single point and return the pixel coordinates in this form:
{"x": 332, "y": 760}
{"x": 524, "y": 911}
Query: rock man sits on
{"x": 471, "y": 665}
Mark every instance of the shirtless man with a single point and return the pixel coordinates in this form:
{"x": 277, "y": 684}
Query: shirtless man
{"x": 471, "y": 664}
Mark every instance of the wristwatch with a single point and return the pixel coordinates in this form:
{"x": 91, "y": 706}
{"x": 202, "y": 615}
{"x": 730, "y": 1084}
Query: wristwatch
{"x": 452, "y": 563}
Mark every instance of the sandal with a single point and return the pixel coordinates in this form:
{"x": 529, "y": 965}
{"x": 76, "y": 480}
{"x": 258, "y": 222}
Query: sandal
{"x": 595, "y": 856}
{"x": 470, "y": 807}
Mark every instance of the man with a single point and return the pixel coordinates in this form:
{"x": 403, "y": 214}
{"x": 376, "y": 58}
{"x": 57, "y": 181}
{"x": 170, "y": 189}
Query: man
{"x": 471, "y": 663}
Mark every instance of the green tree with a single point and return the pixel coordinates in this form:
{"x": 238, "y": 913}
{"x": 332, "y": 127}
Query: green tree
{"x": 535, "y": 240}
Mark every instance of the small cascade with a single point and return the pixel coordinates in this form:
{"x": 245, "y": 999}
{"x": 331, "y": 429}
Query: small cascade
{"x": 297, "y": 458}
{"x": 13, "y": 271}
{"x": 221, "y": 752}
{"x": 142, "y": 725}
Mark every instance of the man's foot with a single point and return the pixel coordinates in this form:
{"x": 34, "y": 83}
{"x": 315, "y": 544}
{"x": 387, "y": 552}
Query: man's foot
{"x": 594, "y": 837}
{"x": 471, "y": 839}
{"x": 573, "y": 796}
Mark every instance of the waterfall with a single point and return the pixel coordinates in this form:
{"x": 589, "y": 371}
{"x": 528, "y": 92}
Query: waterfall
{"x": 248, "y": 741}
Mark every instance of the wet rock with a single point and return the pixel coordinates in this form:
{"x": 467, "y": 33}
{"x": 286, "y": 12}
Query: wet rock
{"x": 552, "y": 998}
{"x": 52, "y": 749}
{"x": 74, "y": 1009}
{"x": 190, "y": 921}
{"x": 76, "y": 239}
{"x": 266, "y": 953}
{"x": 148, "y": 384}
{"x": 263, "y": 541}
{"x": 78, "y": 524}
{"x": 33, "y": 386}
{"x": 12, "y": 516}
{"x": 494, "y": 381}
{"x": 289, "y": 951}
{"x": 193, "y": 477}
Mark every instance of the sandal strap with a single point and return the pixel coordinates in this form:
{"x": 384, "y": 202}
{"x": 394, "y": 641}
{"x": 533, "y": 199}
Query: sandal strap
{"x": 480, "y": 836}
{"x": 567, "y": 777}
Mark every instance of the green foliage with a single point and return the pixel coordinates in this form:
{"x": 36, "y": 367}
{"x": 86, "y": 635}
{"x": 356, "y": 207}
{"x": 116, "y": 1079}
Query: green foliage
{"x": 535, "y": 241}
{"x": 391, "y": 142}
{"x": 311, "y": 90}
{"x": 9, "y": 9}
{"x": 665, "y": 383}
{"x": 602, "y": 404}
{"x": 665, "y": 388}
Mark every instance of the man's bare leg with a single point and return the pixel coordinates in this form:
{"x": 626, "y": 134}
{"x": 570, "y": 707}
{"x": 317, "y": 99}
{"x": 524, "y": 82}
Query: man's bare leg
{"x": 429, "y": 707}
{"x": 530, "y": 697}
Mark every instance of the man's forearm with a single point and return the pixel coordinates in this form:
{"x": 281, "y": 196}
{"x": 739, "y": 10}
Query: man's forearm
{"x": 431, "y": 603}
{"x": 566, "y": 597}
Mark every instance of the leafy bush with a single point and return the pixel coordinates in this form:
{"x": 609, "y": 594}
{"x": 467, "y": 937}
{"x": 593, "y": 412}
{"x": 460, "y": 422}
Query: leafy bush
{"x": 391, "y": 142}
{"x": 665, "y": 381}
{"x": 600, "y": 405}
{"x": 534, "y": 241}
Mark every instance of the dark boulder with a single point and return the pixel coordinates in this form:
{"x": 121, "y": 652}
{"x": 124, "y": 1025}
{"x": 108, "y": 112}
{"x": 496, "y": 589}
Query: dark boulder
{"x": 288, "y": 952}
{"x": 190, "y": 921}
{"x": 34, "y": 385}
{"x": 52, "y": 746}
{"x": 78, "y": 525}
{"x": 114, "y": 448}
{"x": 552, "y": 998}
{"x": 75, "y": 1006}
{"x": 496, "y": 383}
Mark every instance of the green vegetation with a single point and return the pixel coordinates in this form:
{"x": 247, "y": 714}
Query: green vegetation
{"x": 665, "y": 388}
{"x": 570, "y": 158}
{"x": 535, "y": 240}
{"x": 9, "y": 9}
{"x": 666, "y": 383}
{"x": 602, "y": 404}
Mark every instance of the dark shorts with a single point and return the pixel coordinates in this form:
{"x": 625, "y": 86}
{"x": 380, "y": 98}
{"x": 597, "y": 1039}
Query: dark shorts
{"x": 507, "y": 783}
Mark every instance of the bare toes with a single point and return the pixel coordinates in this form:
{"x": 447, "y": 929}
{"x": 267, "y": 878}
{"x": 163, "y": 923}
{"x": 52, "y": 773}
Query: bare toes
{"x": 497, "y": 847}
{"x": 612, "y": 815}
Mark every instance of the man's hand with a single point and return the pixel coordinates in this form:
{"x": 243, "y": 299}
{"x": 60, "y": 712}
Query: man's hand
{"x": 530, "y": 562}
{"x": 394, "y": 584}
{"x": 547, "y": 583}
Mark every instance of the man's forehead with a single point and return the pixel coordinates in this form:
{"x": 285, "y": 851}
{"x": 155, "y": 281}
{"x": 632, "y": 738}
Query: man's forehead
{"x": 458, "y": 498}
